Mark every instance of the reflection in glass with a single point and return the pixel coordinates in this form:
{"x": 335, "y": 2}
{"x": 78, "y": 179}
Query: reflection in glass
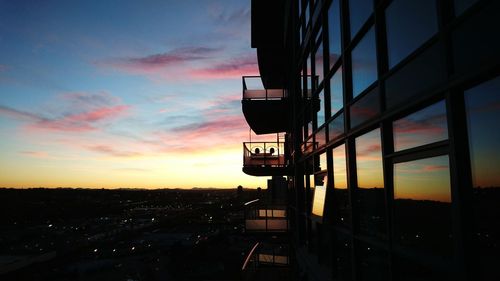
{"x": 318, "y": 60}
{"x": 342, "y": 254}
{"x": 370, "y": 192}
{"x": 422, "y": 197}
{"x": 462, "y": 5}
{"x": 373, "y": 262}
{"x": 418, "y": 77}
{"x": 465, "y": 39}
{"x": 321, "y": 113}
{"x": 341, "y": 205}
{"x": 422, "y": 127}
{"x": 364, "y": 63}
{"x": 319, "y": 194}
{"x": 321, "y": 137}
{"x": 483, "y": 115}
{"x": 409, "y": 24}
{"x": 322, "y": 161}
{"x": 334, "y": 32}
{"x": 336, "y": 91}
{"x": 336, "y": 127}
{"x": 359, "y": 11}
{"x": 406, "y": 269}
{"x": 365, "y": 108}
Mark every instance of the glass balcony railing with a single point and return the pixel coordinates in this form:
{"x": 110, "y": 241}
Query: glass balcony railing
{"x": 264, "y": 154}
{"x": 267, "y": 262}
{"x": 254, "y": 90}
{"x": 265, "y": 218}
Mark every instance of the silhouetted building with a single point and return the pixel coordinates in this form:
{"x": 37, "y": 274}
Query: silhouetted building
{"x": 385, "y": 118}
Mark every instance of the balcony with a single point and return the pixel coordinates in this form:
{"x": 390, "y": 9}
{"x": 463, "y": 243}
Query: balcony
{"x": 267, "y": 261}
{"x": 268, "y": 36}
{"x": 266, "y": 110}
{"x": 265, "y": 218}
{"x": 264, "y": 159}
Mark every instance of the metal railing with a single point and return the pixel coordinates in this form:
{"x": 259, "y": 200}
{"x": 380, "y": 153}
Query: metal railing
{"x": 264, "y": 154}
{"x": 254, "y": 90}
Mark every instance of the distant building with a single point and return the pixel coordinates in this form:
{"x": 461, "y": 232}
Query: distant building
{"x": 383, "y": 117}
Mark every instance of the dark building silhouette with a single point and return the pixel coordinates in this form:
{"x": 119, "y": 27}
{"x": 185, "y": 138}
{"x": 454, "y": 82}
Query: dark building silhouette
{"x": 383, "y": 117}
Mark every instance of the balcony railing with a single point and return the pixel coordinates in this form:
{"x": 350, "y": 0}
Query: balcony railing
{"x": 263, "y": 154}
{"x": 267, "y": 262}
{"x": 254, "y": 90}
{"x": 265, "y": 218}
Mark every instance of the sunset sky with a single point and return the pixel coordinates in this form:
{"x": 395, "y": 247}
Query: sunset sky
{"x": 110, "y": 94}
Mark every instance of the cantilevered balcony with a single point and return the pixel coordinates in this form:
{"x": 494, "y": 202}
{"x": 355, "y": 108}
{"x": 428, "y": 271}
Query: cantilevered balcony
{"x": 264, "y": 159}
{"x": 265, "y": 218}
{"x": 265, "y": 110}
{"x": 268, "y": 36}
{"x": 267, "y": 261}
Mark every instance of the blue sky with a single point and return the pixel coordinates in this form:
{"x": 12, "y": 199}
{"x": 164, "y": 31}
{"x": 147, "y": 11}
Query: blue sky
{"x": 123, "y": 93}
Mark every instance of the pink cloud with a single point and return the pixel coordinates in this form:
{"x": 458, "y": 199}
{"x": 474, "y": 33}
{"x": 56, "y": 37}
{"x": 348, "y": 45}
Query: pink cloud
{"x": 151, "y": 63}
{"x": 35, "y": 154}
{"x": 234, "y": 68}
{"x": 86, "y": 112}
{"x": 216, "y": 133}
{"x": 80, "y": 122}
{"x": 3, "y": 68}
{"x": 433, "y": 168}
{"x": 111, "y": 151}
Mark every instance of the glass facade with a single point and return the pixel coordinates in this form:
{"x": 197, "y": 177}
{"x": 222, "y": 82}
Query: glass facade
{"x": 364, "y": 63}
{"x": 422, "y": 127}
{"x": 370, "y": 187}
{"x": 407, "y": 134}
{"x": 483, "y": 112}
{"x": 409, "y": 24}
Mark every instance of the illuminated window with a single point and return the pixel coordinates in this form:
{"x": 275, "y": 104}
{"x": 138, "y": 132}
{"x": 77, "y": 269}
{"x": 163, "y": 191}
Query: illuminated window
{"x": 319, "y": 194}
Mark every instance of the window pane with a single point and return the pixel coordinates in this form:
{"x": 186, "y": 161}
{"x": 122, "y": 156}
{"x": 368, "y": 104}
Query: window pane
{"x": 336, "y": 91}
{"x": 370, "y": 192}
{"x": 359, "y": 11}
{"x": 422, "y": 127}
{"x": 342, "y": 254}
{"x": 466, "y": 36}
{"x": 373, "y": 262}
{"x": 418, "y": 77}
{"x": 462, "y": 5}
{"x": 319, "y": 194}
{"x": 318, "y": 60}
{"x": 483, "y": 115}
{"x": 422, "y": 214}
{"x": 409, "y": 24}
{"x": 321, "y": 113}
{"x": 364, "y": 63}
{"x": 334, "y": 32}
{"x": 321, "y": 138}
{"x": 336, "y": 127}
{"x": 322, "y": 161}
{"x": 341, "y": 204}
{"x": 365, "y": 108}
